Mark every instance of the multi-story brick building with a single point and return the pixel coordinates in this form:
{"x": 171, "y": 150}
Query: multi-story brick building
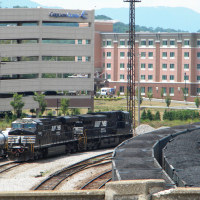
{"x": 168, "y": 61}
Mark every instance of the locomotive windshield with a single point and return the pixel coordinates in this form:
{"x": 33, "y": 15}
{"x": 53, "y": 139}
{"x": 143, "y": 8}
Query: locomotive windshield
{"x": 29, "y": 125}
{"x": 16, "y": 125}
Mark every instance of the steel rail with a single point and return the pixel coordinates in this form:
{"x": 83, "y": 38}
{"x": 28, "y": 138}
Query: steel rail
{"x": 95, "y": 179}
{"x": 79, "y": 164}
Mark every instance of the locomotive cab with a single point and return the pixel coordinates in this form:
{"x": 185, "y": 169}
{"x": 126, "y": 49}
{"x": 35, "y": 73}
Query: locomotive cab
{"x": 21, "y": 138}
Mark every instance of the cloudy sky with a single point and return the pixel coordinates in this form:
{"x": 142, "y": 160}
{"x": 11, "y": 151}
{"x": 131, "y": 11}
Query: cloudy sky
{"x": 98, "y": 4}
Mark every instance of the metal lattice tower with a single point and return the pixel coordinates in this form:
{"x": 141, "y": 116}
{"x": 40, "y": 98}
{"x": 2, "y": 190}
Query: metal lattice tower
{"x": 131, "y": 61}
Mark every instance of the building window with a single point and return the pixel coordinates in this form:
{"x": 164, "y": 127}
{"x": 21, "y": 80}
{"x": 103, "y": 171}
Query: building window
{"x": 198, "y": 90}
{"x": 150, "y": 90}
{"x": 87, "y": 59}
{"x": 171, "y": 77}
{"x": 79, "y": 58}
{"x": 108, "y": 42}
{"x": 164, "y": 54}
{"x": 142, "y": 89}
{"x": 150, "y": 66}
{"x": 186, "y": 42}
{"x": 128, "y": 66}
{"x": 150, "y": 42}
{"x": 104, "y": 65}
{"x": 103, "y": 54}
{"x": 121, "y": 76}
{"x": 171, "y": 90}
{"x": 186, "y": 66}
{"x": 108, "y": 54}
{"x": 198, "y": 55}
{"x": 172, "y": 42}
{"x": 122, "y": 43}
{"x": 198, "y": 66}
{"x": 79, "y": 41}
{"x": 109, "y": 76}
{"x": 172, "y": 54}
{"x": 150, "y": 54}
{"x": 198, "y": 42}
{"x": 88, "y": 42}
{"x": 198, "y": 78}
{"x": 121, "y": 65}
{"x": 121, "y": 88}
{"x": 143, "y": 54}
{"x": 186, "y": 54}
{"x": 150, "y": 77}
{"x": 128, "y": 54}
{"x": 164, "y": 77}
{"x": 104, "y": 43}
{"x": 171, "y": 66}
{"x": 186, "y": 77}
{"x": 108, "y": 65}
{"x": 164, "y": 66}
{"x": 142, "y": 77}
{"x": 122, "y": 54}
{"x": 142, "y": 65}
{"x": 164, "y": 42}
{"x": 164, "y": 90}
{"x": 143, "y": 42}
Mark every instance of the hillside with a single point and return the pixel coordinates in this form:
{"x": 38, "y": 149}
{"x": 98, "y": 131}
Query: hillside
{"x": 120, "y": 27}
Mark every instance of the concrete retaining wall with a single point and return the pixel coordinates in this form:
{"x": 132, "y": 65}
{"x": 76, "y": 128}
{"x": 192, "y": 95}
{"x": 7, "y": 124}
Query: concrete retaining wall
{"x": 118, "y": 190}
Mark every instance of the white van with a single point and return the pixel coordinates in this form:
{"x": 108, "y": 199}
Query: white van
{"x": 107, "y": 91}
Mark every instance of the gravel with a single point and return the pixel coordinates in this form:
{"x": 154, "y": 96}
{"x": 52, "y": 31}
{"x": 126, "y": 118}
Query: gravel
{"x": 22, "y": 178}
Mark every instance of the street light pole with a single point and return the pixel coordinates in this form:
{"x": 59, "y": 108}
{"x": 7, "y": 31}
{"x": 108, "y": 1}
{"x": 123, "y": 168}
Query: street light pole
{"x": 138, "y": 90}
{"x": 185, "y": 87}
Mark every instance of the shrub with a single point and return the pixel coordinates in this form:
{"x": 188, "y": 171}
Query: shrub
{"x": 50, "y": 113}
{"x": 149, "y": 115}
{"x": 157, "y": 116}
{"x": 143, "y": 115}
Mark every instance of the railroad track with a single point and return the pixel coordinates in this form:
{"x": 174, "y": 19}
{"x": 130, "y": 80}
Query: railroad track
{"x": 55, "y": 179}
{"x": 7, "y": 166}
{"x": 99, "y": 181}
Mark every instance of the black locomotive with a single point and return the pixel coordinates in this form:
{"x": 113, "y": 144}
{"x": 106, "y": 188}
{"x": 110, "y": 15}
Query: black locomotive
{"x": 32, "y": 138}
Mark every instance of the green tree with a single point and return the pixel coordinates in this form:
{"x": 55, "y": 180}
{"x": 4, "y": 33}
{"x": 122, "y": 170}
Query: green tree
{"x": 143, "y": 115}
{"x": 32, "y": 111}
{"x": 168, "y": 100}
{"x": 118, "y": 93}
{"x": 17, "y": 104}
{"x": 150, "y": 96}
{"x": 40, "y": 99}
{"x": 197, "y": 102}
{"x": 64, "y": 105}
{"x": 157, "y": 116}
{"x": 149, "y": 115}
{"x": 50, "y": 113}
{"x": 162, "y": 93}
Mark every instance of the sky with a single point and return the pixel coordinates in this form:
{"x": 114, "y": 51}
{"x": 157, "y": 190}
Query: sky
{"x": 98, "y": 4}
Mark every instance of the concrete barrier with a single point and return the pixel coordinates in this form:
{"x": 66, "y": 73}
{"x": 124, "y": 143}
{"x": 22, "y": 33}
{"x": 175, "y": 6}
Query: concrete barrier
{"x": 54, "y": 195}
{"x": 133, "y": 189}
{"x": 178, "y": 193}
{"x": 118, "y": 190}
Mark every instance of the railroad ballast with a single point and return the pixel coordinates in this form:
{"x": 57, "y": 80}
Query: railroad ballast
{"x": 32, "y": 138}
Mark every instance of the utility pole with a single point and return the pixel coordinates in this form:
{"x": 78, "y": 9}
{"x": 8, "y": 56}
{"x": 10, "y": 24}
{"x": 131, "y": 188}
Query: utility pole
{"x": 131, "y": 61}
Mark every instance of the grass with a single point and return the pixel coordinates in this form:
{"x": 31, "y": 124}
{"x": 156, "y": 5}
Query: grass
{"x": 122, "y": 104}
{"x": 101, "y": 105}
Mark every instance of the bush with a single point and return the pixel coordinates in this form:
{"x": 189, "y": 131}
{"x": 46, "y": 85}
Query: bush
{"x": 50, "y": 113}
{"x": 143, "y": 115}
{"x": 157, "y": 116}
{"x": 149, "y": 115}
{"x": 40, "y": 115}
